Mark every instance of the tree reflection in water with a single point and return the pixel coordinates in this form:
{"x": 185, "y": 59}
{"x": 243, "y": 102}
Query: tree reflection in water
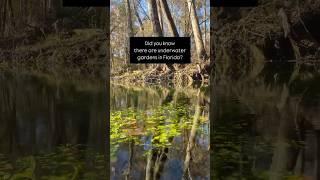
{"x": 51, "y": 129}
{"x": 267, "y": 127}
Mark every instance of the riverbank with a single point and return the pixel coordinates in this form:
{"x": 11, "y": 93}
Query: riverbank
{"x": 80, "y": 54}
{"x": 247, "y": 39}
{"x": 184, "y": 75}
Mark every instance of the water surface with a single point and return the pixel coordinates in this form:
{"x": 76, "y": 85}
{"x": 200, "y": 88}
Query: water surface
{"x": 51, "y": 129}
{"x": 267, "y": 127}
{"x": 153, "y": 127}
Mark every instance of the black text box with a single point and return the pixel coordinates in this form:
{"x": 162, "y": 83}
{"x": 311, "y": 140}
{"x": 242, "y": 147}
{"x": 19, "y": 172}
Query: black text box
{"x": 86, "y": 3}
{"x": 233, "y": 3}
{"x": 167, "y": 50}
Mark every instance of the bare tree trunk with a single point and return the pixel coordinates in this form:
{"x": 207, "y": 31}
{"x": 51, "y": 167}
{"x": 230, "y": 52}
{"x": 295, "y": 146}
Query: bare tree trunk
{"x": 153, "y": 13}
{"x": 186, "y": 21}
{"x": 156, "y": 26}
{"x": 138, "y": 16}
{"x": 205, "y": 23}
{"x": 49, "y": 4}
{"x": 159, "y": 9}
{"x": 20, "y": 9}
{"x": 4, "y": 18}
{"x": 45, "y": 9}
{"x": 11, "y": 14}
{"x": 167, "y": 14}
{"x": 129, "y": 20}
{"x": 196, "y": 30}
{"x": 129, "y": 29}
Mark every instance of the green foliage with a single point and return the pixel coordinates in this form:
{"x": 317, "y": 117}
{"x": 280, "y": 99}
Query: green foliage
{"x": 161, "y": 123}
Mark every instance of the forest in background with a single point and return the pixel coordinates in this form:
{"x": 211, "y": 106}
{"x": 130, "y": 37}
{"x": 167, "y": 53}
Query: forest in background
{"x": 46, "y": 38}
{"x": 146, "y": 18}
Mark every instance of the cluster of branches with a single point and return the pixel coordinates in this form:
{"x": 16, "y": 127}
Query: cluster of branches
{"x": 18, "y": 16}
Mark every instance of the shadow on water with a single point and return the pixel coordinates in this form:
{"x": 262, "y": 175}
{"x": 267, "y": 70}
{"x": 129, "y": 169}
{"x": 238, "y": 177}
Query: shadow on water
{"x": 159, "y": 133}
{"x": 268, "y": 127}
{"x": 51, "y": 129}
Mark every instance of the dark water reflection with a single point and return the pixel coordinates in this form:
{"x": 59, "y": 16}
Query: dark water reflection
{"x": 267, "y": 128}
{"x": 147, "y": 160}
{"x": 51, "y": 129}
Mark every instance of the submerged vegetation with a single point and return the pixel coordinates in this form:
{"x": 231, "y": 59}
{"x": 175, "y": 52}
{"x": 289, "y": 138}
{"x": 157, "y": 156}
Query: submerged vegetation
{"x": 67, "y": 162}
{"x": 158, "y": 133}
{"x": 161, "y": 123}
